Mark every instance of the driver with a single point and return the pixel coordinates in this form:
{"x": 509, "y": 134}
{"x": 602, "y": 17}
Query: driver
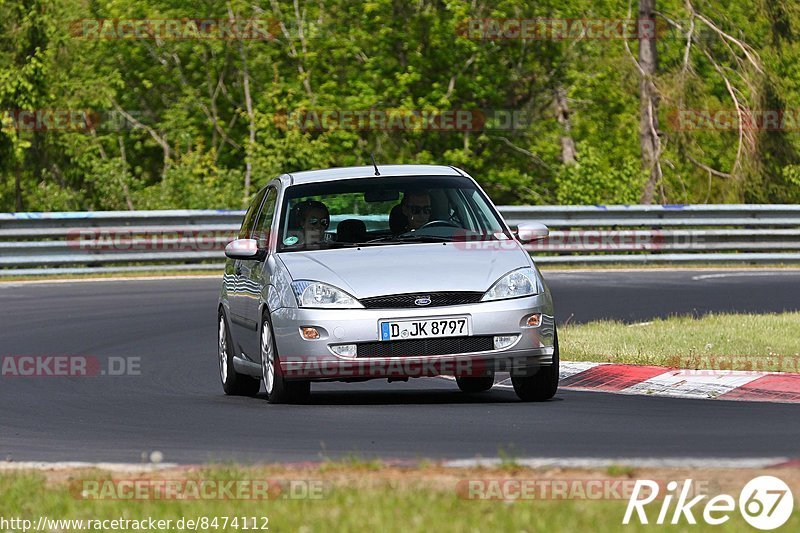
{"x": 416, "y": 206}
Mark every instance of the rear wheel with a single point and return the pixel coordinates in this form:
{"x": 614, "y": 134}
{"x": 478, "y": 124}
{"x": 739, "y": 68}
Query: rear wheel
{"x": 543, "y": 384}
{"x": 233, "y": 383}
{"x": 479, "y": 384}
{"x": 279, "y": 390}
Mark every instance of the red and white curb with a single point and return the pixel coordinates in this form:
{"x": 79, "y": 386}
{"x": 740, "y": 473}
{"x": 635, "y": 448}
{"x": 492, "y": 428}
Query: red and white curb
{"x": 680, "y": 383}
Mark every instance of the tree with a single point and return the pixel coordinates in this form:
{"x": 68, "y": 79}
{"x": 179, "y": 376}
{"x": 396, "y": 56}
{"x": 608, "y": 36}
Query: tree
{"x": 23, "y": 86}
{"x": 649, "y": 139}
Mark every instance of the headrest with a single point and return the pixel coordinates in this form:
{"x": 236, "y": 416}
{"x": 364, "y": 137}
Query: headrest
{"x": 351, "y": 230}
{"x": 398, "y": 222}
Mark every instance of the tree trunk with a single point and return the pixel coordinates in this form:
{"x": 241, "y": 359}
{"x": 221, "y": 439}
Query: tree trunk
{"x": 251, "y": 120}
{"x": 569, "y": 155}
{"x": 648, "y": 103}
{"x": 18, "y": 189}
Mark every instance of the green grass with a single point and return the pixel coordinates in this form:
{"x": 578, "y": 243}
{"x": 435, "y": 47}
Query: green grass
{"x": 620, "y": 471}
{"x": 351, "y": 462}
{"x": 412, "y": 504}
{"x": 769, "y": 342}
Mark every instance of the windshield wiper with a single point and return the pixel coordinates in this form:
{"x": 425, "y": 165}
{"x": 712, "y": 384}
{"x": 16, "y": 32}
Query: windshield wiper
{"x": 346, "y": 244}
{"x": 342, "y": 244}
{"x": 411, "y": 237}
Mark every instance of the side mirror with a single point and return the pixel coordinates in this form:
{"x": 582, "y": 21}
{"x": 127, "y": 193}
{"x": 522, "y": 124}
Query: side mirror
{"x": 246, "y": 249}
{"x": 531, "y": 231}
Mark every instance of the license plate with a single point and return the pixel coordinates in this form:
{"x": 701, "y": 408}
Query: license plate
{"x": 424, "y": 329}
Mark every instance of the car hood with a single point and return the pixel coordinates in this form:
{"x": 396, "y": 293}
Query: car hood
{"x": 403, "y": 268}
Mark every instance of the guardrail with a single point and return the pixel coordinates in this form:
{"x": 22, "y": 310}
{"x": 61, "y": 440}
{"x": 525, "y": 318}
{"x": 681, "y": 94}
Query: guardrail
{"x": 33, "y": 243}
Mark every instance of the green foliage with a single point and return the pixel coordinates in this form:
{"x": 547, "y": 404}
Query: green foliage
{"x": 188, "y": 143}
{"x": 596, "y": 180}
{"x": 193, "y": 182}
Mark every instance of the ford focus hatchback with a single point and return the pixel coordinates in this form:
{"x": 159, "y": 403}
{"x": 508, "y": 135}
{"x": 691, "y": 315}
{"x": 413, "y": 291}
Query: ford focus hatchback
{"x": 390, "y": 272}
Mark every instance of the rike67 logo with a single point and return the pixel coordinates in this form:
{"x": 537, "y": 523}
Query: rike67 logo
{"x": 765, "y": 503}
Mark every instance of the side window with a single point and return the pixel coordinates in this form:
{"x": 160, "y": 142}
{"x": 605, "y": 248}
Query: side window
{"x": 250, "y": 217}
{"x": 486, "y": 220}
{"x": 264, "y": 224}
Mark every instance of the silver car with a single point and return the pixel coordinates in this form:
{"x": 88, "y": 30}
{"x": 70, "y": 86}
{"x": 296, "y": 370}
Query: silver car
{"x": 382, "y": 272}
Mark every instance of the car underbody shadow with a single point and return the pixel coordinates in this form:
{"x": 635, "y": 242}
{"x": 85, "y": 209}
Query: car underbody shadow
{"x": 426, "y": 391}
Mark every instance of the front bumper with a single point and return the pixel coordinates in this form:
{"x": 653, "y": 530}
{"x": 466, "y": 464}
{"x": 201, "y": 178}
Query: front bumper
{"x": 313, "y": 359}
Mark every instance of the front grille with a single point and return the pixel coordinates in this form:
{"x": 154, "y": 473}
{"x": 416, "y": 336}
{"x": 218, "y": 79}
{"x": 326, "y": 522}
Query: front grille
{"x": 418, "y": 347}
{"x": 406, "y": 301}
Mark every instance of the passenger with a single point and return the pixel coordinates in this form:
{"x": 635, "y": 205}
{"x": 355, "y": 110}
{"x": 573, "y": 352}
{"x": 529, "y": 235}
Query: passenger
{"x": 313, "y": 218}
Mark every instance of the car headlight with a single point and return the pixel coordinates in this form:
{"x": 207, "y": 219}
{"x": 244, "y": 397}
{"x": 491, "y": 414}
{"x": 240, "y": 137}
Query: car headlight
{"x": 516, "y": 284}
{"x": 318, "y": 294}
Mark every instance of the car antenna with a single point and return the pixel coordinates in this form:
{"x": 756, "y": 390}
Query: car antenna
{"x": 372, "y": 156}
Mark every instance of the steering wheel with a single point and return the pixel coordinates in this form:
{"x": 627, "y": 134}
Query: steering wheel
{"x": 439, "y": 224}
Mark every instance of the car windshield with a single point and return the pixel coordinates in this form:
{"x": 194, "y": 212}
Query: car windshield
{"x": 383, "y": 211}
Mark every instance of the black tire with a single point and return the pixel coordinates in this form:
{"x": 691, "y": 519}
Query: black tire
{"x": 541, "y": 386}
{"x": 281, "y": 390}
{"x": 233, "y": 383}
{"x": 472, "y": 384}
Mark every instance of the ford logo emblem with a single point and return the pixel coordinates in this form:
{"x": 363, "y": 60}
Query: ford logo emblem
{"x": 423, "y": 300}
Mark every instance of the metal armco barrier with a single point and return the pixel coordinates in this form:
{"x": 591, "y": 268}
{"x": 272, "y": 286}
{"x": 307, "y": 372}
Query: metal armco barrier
{"x": 165, "y": 240}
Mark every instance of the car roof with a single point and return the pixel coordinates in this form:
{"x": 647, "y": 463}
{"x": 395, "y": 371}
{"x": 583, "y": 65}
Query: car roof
{"x": 311, "y": 176}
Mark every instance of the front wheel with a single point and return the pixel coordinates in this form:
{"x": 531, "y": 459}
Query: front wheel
{"x": 279, "y": 390}
{"x": 233, "y": 383}
{"x": 542, "y": 385}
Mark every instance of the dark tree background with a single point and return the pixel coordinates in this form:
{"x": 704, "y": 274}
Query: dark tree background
{"x": 200, "y": 123}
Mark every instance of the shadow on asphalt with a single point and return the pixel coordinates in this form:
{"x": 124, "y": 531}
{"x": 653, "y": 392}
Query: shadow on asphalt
{"x": 412, "y": 397}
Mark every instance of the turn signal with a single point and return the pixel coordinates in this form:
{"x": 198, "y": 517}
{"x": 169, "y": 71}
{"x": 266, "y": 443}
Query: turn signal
{"x": 309, "y": 333}
{"x": 535, "y": 320}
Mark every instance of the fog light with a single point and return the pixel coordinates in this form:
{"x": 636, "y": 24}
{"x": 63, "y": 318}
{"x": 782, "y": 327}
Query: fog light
{"x": 535, "y": 320}
{"x": 344, "y": 350}
{"x": 504, "y": 341}
{"x": 309, "y": 333}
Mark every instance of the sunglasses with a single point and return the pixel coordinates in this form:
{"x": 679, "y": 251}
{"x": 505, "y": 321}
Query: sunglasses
{"x": 314, "y": 221}
{"x": 418, "y": 209}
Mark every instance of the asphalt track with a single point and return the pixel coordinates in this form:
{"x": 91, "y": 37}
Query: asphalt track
{"x": 176, "y": 405}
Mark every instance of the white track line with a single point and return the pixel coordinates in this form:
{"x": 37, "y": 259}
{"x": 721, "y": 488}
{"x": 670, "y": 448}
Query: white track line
{"x": 22, "y": 283}
{"x": 745, "y": 274}
{"x": 605, "y": 462}
{"x": 529, "y": 462}
{"x": 72, "y": 465}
